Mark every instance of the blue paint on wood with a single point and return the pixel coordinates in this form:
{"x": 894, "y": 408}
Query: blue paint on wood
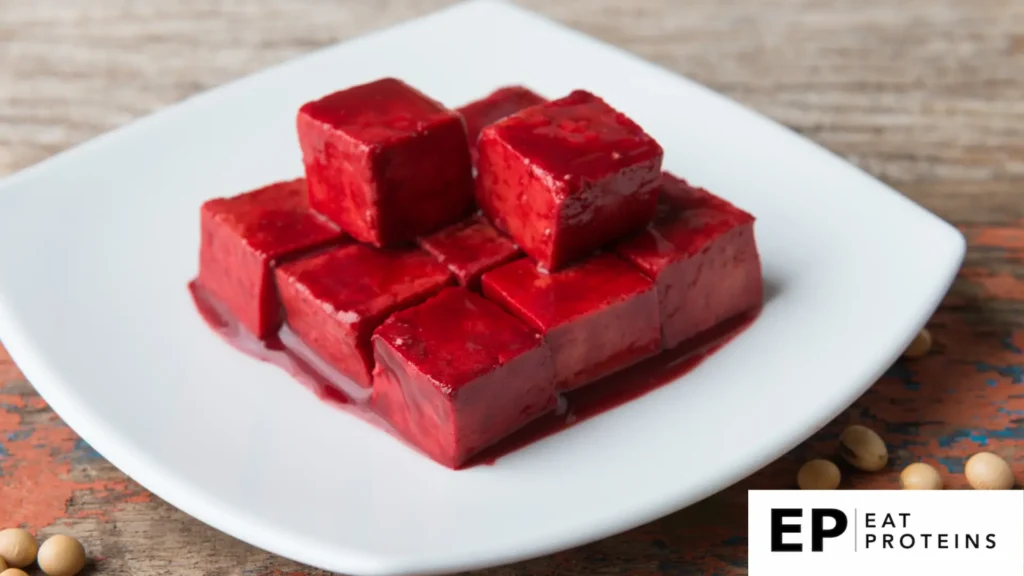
{"x": 1014, "y": 372}
{"x": 84, "y": 452}
{"x": 19, "y": 435}
{"x": 1009, "y": 345}
{"x": 979, "y": 437}
{"x": 1007, "y": 434}
{"x": 4, "y": 455}
{"x": 952, "y": 465}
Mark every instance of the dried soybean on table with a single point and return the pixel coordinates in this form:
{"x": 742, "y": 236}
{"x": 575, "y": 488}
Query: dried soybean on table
{"x": 928, "y": 95}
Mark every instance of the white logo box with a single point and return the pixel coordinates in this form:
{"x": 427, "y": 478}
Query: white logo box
{"x": 957, "y": 532}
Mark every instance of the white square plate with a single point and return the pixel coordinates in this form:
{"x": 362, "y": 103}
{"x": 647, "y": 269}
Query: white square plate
{"x": 97, "y": 246}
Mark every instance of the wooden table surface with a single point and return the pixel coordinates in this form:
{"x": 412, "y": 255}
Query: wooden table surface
{"x": 927, "y": 95}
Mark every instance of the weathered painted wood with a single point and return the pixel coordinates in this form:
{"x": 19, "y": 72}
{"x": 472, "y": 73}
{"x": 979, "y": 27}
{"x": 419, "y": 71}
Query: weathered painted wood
{"x": 927, "y": 95}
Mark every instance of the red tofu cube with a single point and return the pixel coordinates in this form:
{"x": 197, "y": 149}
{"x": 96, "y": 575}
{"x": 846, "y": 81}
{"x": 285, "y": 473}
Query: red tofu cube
{"x": 457, "y": 373}
{"x": 567, "y": 177}
{"x": 335, "y": 300}
{"x": 470, "y": 248}
{"x": 385, "y": 162}
{"x": 599, "y": 316}
{"x": 497, "y": 105}
{"x": 243, "y": 237}
{"x": 701, "y": 253}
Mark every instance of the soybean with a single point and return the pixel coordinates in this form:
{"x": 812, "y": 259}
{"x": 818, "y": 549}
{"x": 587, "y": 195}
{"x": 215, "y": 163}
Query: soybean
{"x": 863, "y": 448}
{"x": 986, "y": 471}
{"x": 920, "y": 346}
{"x": 920, "y": 476}
{"x": 17, "y": 547}
{"x": 818, "y": 475}
{"x": 61, "y": 555}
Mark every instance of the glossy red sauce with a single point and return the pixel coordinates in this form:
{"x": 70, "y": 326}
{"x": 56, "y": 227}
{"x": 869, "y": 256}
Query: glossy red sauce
{"x": 581, "y": 137}
{"x": 287, "y": 352}
{"x": 619, "y": 388}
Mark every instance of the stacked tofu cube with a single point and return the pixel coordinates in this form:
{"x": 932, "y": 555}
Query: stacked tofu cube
{"x": 469, "y": 266}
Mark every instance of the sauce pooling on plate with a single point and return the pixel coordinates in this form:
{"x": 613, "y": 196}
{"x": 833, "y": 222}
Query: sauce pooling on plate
{"x": 287, "y": 352}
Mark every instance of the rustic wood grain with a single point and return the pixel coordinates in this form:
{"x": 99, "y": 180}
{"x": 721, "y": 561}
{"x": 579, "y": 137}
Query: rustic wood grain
{"x": 928, "y": 95}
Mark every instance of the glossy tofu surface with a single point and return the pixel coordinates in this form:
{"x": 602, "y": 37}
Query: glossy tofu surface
{"x": 335, "y": 300}
{"x": 495, "y": 106}
{"x": 244, "y": 236}
{"x": 702, "y": 255}
{"x": 470, "y": 248}
{"x": 457, "y": 373}
{"x": 566, "y": 177}
{"x": 599, "y": 315}
{"x": 385, "y": 162}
